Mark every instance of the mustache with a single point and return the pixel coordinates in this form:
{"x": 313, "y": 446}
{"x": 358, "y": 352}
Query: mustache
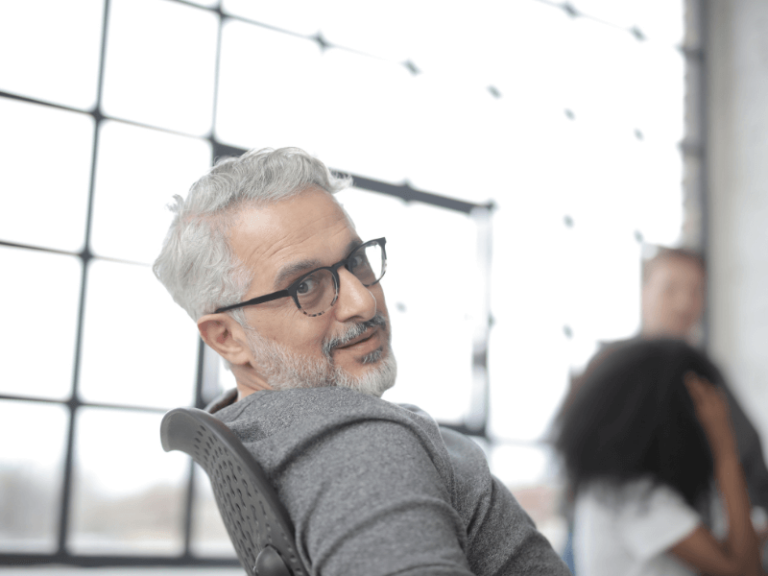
{"x": 353, "y": 332}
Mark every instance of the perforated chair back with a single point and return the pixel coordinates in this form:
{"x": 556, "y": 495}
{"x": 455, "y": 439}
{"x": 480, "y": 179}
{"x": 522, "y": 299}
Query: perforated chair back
{"x": 258, "y": 525}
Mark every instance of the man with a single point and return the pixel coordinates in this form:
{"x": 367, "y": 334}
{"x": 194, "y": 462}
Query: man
{"x": 271, "y": 268}
{"x": 672, "y": 294}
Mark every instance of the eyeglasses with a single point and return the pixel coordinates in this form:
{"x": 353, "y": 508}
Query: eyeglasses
{"x": 317, "y": 291}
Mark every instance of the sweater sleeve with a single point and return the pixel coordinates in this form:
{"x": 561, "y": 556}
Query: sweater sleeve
{"x": 368, "y": 499}
{"x": 375, "y": 489}
{"x": 503, "y": 540}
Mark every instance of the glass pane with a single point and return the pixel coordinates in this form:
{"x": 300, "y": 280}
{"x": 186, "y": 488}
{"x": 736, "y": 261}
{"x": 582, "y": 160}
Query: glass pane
{"x": 528, "y": 355}
{"x": 601, "y": 75}
{"x": 44, "y": 295}
{"x": 662, "y": 116}
{"x": 209, "y": 536}
{"x": 166, "y": 79}
{"x": 659, "y": 20}
{"x": 624, "y": 14}
{"x": 128, "y": 495}
{"x": 528, "y": 369}
{"x": 31, "y": 475}
{"x": 299, "y": 16}
{"x": 660, "y": 214}
{"x": 380, "y": 29}
{"x": 139, "y": 347}
{"x": 139, "y": 170}
{"x": 444, "y": 119}
{"x": 363, "y": 104}
{"x": 47, "y": 209}
{"x": 523, "y": 48}
{"x": 433, "y": 322}
{"x": 552, "y": 310}
{"x": 566, "y": 276}
{"x": 51, "y": 50}
{"x": 267, "y": 106}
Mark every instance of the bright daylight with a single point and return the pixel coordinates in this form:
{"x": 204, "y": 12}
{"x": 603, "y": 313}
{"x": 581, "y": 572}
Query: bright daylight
{"x": 474, "y": 288}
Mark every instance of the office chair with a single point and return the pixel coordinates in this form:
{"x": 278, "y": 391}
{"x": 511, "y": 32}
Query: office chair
{"x": 257, "y": 523}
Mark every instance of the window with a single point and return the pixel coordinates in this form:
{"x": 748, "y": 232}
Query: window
{"x": 530, "y": 146}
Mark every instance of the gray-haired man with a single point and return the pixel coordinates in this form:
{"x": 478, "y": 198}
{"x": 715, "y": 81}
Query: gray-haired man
{"x": 269, "y": 265}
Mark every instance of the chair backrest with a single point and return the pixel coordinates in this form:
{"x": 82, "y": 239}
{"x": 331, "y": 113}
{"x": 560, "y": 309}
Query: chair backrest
{"x": 258, "y": 525}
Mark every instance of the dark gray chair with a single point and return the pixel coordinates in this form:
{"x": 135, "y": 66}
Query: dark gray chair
{"x": 258, "y": 525}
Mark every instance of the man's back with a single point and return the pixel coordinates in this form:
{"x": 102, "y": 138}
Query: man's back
{"x": 374, "y": 488}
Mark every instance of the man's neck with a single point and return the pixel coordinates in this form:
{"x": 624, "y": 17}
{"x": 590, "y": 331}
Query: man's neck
{"x": 248, "y": 381}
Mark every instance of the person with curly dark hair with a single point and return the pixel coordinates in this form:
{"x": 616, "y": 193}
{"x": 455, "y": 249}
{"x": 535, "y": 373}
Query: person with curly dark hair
{"x": 642, "y": 442}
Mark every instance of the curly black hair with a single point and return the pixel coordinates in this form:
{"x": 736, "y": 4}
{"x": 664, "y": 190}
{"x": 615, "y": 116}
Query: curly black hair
{"x": 633, "y": 418}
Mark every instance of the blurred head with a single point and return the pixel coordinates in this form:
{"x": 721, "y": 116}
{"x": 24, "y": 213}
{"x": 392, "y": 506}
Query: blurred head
{"x": 673, "y": 294}
{"x": 251, "y": 226}
{"x": 633, "y": 418}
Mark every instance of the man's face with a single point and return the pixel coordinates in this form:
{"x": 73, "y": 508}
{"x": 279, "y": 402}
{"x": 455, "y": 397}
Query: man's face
{"x": 673, "y": 298}
{"x": 349, "y": 344}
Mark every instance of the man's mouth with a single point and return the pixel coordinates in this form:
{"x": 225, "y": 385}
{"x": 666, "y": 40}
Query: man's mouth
{"x": 359, "y": 333}
{"x": 362, "y": 338}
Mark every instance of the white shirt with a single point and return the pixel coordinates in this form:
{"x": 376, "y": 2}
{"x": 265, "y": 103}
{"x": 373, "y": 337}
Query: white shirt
{"x": 627, "y": 531}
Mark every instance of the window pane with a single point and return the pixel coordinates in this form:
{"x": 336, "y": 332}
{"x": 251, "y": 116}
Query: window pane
{"x": 380, "y": 29}
{"x": 209, "y": 536}
{"x": 272, "y": 104}
{"x": 566, "y": 276}
{"x": 528, "y": 360}
{"x": 433, "y": 320}
{"x": 601, "y": 75}
{"x": 528, "y": 366}
{"x": 139, "y": 170}
{"x": 139, "y": 347}
{"x": 50, "y": 151}
{"x": 447, "y": 123}
{"x": 567, "y": 256}
{"x": 299, "y": 16}
{"x": 42, "y": 307}
{"x": 362, "y": 104}
{"x": 51, "y": 50}
{"x": 128, "y": 493}
{"x": 31, "y": 476}
{"x": 166, "y": 79}
{"x": 659, "y": 20}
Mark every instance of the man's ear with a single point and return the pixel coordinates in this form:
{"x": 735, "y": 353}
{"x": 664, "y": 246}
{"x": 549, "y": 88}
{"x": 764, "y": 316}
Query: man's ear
{"x": 225, "y": 335}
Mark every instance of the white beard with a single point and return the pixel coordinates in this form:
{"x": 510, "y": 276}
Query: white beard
{"x": 283, "y": 370}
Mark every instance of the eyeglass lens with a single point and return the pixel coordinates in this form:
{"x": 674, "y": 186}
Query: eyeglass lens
{"x": 317, "y": 291}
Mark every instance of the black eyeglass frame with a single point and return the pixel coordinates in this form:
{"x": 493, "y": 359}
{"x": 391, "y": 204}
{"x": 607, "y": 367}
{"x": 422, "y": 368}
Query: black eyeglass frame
{"x": 292, "y": 290}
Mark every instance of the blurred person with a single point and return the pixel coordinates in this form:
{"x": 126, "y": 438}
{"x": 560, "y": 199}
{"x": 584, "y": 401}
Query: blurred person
{"x": 270, "y": 267}
{"x": 642, "y": 442}
{"x": 672, "y": 297}
{"x": 672, "y": 305}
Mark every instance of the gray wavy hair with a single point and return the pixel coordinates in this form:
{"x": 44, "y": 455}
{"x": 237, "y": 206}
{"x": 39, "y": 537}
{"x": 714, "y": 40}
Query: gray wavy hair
{"x": 196, "y": 264}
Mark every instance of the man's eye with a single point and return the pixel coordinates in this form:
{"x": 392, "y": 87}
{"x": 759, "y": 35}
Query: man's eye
{"x": 306, "y": 286}
{"x": 354, "y": 261}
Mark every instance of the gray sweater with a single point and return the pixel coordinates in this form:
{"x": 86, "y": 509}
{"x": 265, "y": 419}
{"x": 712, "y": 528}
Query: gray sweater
{"x": 374, "y": 488}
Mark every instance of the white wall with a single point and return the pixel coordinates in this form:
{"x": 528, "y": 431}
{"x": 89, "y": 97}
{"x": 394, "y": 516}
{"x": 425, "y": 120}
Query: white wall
{"x": 737, "y": 119}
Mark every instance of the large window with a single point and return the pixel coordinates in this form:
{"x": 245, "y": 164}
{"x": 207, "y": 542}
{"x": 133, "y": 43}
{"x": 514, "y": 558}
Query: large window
{"x": 529, "y": 147}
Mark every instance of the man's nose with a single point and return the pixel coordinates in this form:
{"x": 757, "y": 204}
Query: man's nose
{"x": 356, "y": 302}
